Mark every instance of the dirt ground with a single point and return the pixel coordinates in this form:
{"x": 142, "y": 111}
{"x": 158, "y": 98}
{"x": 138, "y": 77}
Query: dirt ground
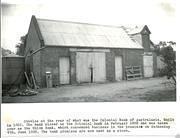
{"x": 145, "y": 90}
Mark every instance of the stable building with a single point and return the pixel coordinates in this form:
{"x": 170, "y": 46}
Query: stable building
{"x": 79, "y": 52}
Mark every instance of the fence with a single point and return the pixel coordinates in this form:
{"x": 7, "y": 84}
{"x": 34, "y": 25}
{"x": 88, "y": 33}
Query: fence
{"x": 133, "y": 72}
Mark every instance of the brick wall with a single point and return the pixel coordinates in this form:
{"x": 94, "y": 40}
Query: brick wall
{"x": 32, "y": 62}
{"x": 73, "y": 68}
{"x": 50, "y": 62}
{"x": 37, "y": 67}
{"x": 146, "y": 42}
{"x": 110, "y": 66}
{"x": 130, "y": 57}
{"x": 155, "y": 67}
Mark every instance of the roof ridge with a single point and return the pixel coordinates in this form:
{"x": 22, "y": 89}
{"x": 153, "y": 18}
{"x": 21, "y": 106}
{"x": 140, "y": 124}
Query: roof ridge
{"x": 63, "y": 21}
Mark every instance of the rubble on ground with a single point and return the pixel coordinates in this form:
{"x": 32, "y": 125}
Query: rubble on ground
{"x": 22, "y": 92}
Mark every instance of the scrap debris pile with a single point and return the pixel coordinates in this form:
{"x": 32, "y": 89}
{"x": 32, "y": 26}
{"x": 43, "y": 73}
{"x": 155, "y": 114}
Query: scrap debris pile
{"x": 22, "y": 92}
{"x": 28, "y": 89}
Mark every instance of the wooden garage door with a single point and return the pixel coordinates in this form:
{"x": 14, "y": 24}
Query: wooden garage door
{"x": 118, "y": 68}
{"x": 148, "y": 66}
{"x": 64, "y": 70}
{"x": 83, "y": 73}
{"x": 90, "y": 67}
{"x": 99, "y": 66}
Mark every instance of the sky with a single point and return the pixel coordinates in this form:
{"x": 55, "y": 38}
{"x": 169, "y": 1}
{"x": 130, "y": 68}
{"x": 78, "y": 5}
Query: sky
{"x": 159, "y": 15}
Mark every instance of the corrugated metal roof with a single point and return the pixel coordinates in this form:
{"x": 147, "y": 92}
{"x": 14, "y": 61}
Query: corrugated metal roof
{"x": 61, "y": 33}
{"x": 136, "y": 30}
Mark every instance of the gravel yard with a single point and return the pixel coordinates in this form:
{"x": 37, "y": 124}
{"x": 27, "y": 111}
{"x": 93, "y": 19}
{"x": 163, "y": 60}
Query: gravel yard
{"x": 144, "y": 90}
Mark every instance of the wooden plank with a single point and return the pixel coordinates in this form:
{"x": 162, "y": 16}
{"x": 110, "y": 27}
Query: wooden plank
{"x": 83, "y": 62}
{"x": 133, "y": 72}
{"x": 148, "y": 66}
{"x": 27, "y": 79}
{"x": 88, "y": 50}
{"x": 118, "y": 68}
{"x": 99, "y": 66}
{"x": 33, "y": 80}
{"x": 64, "y": 68}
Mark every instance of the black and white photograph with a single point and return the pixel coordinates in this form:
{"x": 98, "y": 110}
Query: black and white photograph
{"x": 89, "y": 68}
{"x": 53, "y": 53}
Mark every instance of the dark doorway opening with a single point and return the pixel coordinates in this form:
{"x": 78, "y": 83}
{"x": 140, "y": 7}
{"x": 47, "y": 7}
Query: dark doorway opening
{"x": 91, "y": 69}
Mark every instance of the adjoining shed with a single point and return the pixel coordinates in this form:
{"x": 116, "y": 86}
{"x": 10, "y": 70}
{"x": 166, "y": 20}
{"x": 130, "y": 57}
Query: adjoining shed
{"x": 142, "y": 35}
{"x": 80, "y": 52}
{"x": 12, "y": 71}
